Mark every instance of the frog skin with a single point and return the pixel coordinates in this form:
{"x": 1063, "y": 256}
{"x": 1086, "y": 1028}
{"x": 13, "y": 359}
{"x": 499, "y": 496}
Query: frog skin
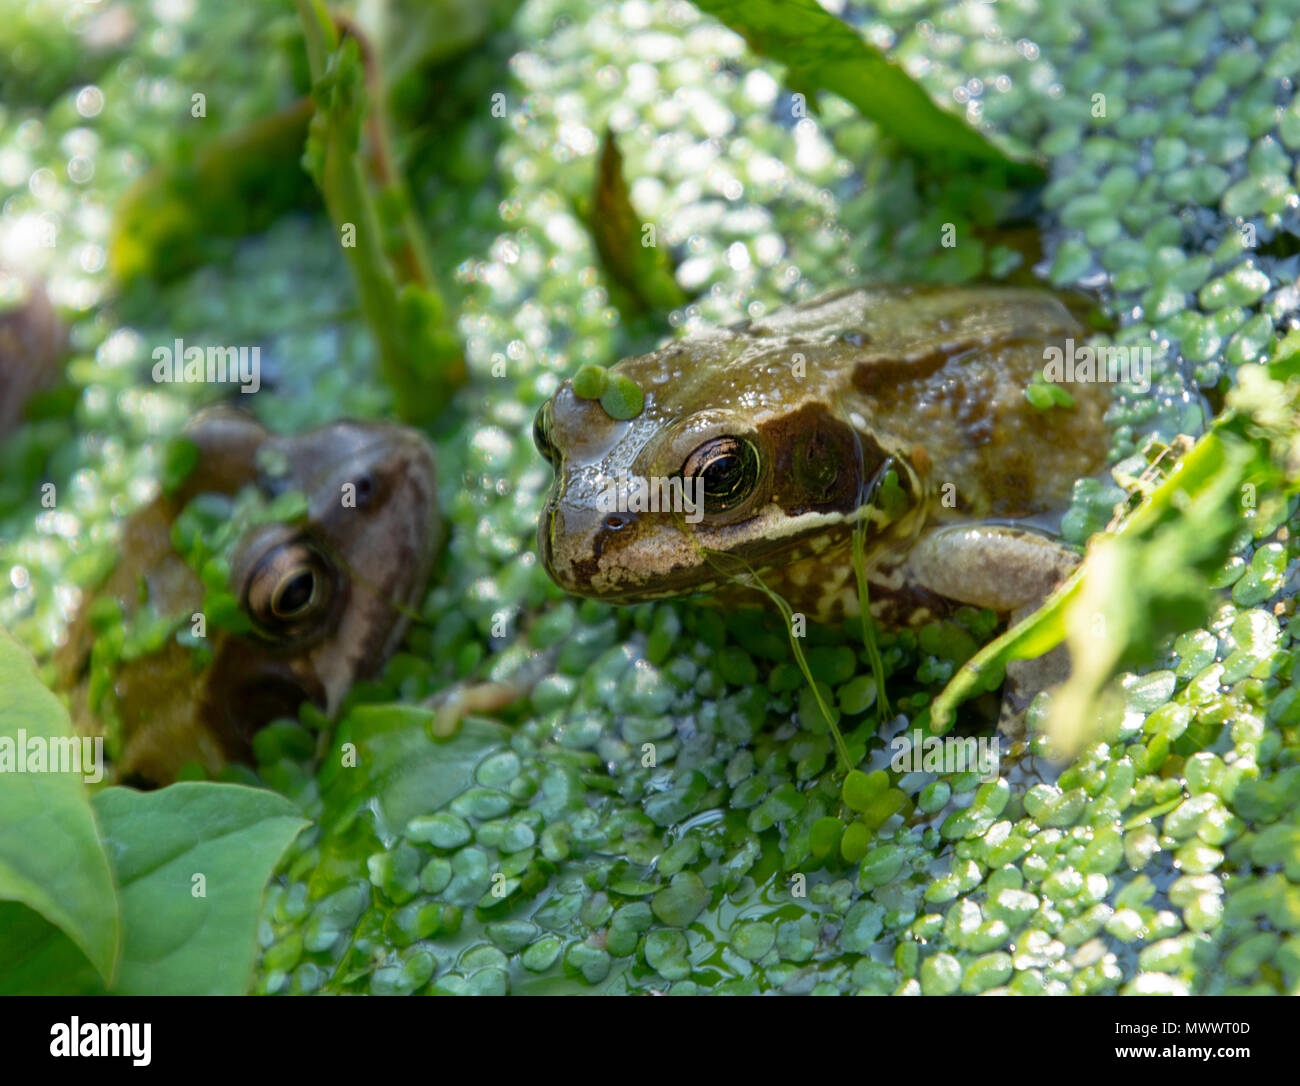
{"x": 329, "y": 597}
{"x": 794, "y": 425}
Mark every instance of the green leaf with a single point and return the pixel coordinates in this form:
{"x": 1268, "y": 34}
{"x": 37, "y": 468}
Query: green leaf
{"x": 823, "y": 53}
{"x": 51, "y": 858}
{"x": 237, "y": 182}
{"x": 179, "y": 459}
{"x": 682, "y": 901}
{"x": 824, "y": 837}
{"x": 860, "y": 789}
{"x": 36, "y": 958}
{"x": 174, "y": 941}
{"x": 398, "y": 762}
{"x": 855, "y": 842}
{"x": 1059, "y": 396}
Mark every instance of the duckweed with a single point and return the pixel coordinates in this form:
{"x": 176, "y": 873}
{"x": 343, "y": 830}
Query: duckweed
{"x": 622, "y": 398}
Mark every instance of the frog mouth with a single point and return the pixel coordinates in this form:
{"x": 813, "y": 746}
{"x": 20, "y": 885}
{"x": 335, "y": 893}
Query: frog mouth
{"x": 545, "y": 525}
{"x": 893, "y": 501}
{"x": 269, "y": 690}
{"x": 273, "y": 696}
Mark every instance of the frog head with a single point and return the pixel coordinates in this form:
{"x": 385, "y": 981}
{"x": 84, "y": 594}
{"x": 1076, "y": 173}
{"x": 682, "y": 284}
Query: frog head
{"x": 314, "y": 602}
{"x": 743, "y": 458}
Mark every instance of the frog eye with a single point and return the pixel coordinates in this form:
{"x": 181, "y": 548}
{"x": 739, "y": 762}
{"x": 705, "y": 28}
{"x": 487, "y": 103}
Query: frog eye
{"x": 291, "y": 585}
{"x": 364, "y": 488}
{"x": 728, "y": 469}
{"x": 293, "y": 595}
{"x": 542, "y": 434}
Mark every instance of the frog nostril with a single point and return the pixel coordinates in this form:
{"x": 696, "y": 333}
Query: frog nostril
{"x": 610, "y": 523}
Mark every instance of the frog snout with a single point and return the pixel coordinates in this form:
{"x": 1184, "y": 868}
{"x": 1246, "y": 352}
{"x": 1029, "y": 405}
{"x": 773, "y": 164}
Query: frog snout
{"x": 612, "y": 529}
{"x": 571, "y": 539}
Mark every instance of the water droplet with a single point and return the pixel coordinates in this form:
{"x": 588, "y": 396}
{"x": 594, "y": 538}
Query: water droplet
{"x": 81, "y": 168}
{"x": 90, "y": 101}
{"x": 92, "y": 258}
{"x": 43, "y": 183}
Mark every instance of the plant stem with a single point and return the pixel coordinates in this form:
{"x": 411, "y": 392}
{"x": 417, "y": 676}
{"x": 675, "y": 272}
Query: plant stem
{"x": 349, "y": 201}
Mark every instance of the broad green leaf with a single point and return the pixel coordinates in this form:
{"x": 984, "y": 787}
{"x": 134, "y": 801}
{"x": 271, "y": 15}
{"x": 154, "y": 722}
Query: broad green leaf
{"x": 173, "y": 942}
{"x": 176, "y": 942}
{"x": 51, "y": 858}
{"x": 36, "y": 958}
{"x": 399, "y": 762}
{"x": 823, "y": 53}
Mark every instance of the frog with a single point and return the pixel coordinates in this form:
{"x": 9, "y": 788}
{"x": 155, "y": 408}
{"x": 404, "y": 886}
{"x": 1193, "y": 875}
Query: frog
{"x": 895, "y": 411}
{"x": 325, "y": 598}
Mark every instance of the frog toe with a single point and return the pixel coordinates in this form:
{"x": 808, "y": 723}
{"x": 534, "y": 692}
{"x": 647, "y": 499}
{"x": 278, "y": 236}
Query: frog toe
{"x": 1025, "y": 680}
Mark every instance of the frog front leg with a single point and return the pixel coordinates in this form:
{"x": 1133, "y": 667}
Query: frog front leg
{"x": 1010, "y": 570}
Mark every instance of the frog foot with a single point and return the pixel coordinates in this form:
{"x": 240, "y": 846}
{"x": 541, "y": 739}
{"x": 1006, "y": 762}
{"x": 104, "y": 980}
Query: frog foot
{"x": 454, "y": 704}
{"x": 1010, "y": 569}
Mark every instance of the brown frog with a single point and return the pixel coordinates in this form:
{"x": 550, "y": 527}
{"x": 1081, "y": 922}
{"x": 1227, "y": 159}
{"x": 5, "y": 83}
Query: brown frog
{"x": 898, "y": 409}
{"x": 327, "y": 598}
